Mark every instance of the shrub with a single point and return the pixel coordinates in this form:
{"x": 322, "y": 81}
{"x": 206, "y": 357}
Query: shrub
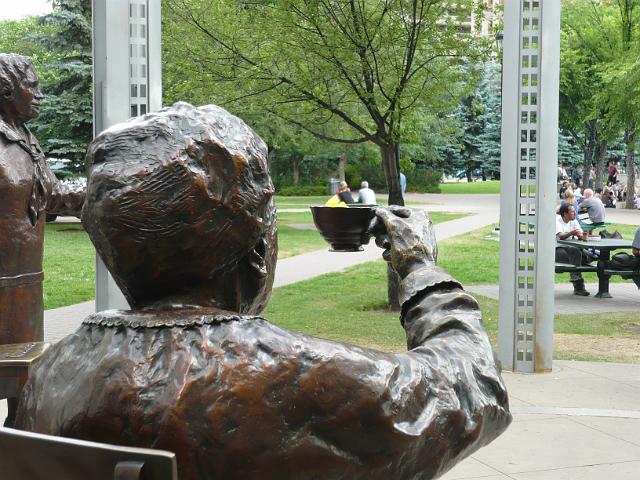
{"x": 424, "y": 180}
{"x": 303, "y": 190}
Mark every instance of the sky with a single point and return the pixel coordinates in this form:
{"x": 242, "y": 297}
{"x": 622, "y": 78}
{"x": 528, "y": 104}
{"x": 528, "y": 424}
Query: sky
{"x": 15, "y": 9}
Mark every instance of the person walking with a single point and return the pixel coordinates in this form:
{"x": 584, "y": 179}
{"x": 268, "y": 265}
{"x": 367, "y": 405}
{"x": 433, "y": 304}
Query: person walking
{"x": 612, "y": 172}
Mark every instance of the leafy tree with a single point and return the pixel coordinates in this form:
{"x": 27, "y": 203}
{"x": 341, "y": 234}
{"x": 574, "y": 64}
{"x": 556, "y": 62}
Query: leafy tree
{"x": 466, "y": 154}
{"x": 16, "y": 36}
{"x": 600, "y": 38}
{"x": 291, "y": 148}
{"x": 583, "y": 50}
{"x": 621, "y": 76}
{"x": 349, "y": 71}
{"x": 65, "y": 124}
{"x": 421, "y": 160}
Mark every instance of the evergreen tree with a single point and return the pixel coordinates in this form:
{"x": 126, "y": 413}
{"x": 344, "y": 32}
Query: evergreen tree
{"x": 477, "y": 144}
{"x": 65, "y": 124}
{"x": 569, "y": 154}
{"x": 490, "y": 119}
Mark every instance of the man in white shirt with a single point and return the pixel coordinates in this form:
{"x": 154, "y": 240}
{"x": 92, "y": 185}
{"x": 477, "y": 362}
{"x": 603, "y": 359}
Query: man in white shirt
{"x": 568, "y": 227}
{"x": 366, "y": 195}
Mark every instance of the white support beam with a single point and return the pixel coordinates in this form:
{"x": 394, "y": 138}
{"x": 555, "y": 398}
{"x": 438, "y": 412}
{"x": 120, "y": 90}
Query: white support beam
{"x": 528, "y": 183}
{"x": 127, "y": 81}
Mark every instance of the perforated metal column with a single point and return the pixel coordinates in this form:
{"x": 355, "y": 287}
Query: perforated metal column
{"x": 529, "y": 162}
{"x": 138, "y": 55}
{"x": 127, "y": 83}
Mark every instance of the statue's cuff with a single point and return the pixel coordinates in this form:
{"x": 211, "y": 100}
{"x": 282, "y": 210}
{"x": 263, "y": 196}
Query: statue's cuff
{"x": 424, "y": 279}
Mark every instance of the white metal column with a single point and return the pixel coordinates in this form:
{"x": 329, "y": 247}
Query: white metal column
{"x": 127, "y": 81}
{"x": 531, "y": 67}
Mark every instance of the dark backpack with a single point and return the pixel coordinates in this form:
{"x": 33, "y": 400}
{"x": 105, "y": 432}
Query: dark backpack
{"x": 624, "y": 261}
{"x": 606, "y": 234}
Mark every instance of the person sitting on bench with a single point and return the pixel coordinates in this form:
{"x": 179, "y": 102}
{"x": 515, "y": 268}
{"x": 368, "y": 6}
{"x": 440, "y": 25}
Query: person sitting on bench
{"x": 566, "y": 227}
{"x": 594, "y": 207}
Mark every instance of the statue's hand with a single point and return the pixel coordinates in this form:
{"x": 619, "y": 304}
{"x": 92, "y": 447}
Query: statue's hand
{"x": 408, "y": 237}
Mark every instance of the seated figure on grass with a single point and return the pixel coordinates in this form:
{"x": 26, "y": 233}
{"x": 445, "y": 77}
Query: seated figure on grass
{"x": 180, "y": 207}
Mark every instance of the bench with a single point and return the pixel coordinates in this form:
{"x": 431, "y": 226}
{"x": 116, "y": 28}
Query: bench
{"x": 623, "y": 273}
{"x": 568, "y": 268}
{"x": 34, "y": 456}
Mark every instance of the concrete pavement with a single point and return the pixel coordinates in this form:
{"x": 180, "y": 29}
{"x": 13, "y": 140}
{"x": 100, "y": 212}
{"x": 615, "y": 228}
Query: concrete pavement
{"x": 626, "y": 297}
{"x": 579, "y": 422}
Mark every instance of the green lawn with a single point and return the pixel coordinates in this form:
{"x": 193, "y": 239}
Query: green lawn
{"x": 294, "y": 241}
{"x": 299, "y": 202}
{"x": 69, "y": 260}
{"x": 473, "y": 258}
{"x": 490, "y": 186}
{"x": 69, "y": 265}
{"x": 350, "y": 306}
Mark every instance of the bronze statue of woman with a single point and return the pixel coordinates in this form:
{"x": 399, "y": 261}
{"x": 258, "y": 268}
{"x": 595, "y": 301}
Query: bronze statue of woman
{"x": 27, "y": 189}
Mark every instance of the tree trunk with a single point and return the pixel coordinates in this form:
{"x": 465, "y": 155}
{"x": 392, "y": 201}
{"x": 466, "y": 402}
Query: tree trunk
{"x": 270, "y": 157}
{"x": 391, "y": 166}
{"x": 393, "y": 288}
{"x": 296, "y": 171}
{"x": 629, "y": 140}
{"x": 600, "y": 165}
{"x": 341, "y": 165}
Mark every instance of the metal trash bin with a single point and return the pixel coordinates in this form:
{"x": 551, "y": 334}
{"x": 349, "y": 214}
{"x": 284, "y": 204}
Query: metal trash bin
{"x": 333, "y": 185}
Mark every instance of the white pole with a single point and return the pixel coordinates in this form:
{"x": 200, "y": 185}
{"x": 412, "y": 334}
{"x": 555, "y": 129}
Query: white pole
{"x": 528, "y": 183}
{"x": 127, "y": 81}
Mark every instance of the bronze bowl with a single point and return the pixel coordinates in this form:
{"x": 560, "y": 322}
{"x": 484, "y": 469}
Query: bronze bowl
{"x": 346, "y": 229}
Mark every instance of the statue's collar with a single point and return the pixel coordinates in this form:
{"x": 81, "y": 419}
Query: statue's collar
{"x": 11, "y": 134}
{"x": 180, "y": 318}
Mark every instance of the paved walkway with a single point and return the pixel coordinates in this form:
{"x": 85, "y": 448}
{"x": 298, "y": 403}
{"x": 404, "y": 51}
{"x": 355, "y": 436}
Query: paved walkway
{"x": 626, "y": 298}
{"x": 580, "y": 422}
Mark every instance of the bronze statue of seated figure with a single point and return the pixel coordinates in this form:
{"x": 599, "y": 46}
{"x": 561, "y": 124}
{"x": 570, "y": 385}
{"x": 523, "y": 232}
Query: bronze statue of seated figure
{"x": 180, "y": 207}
